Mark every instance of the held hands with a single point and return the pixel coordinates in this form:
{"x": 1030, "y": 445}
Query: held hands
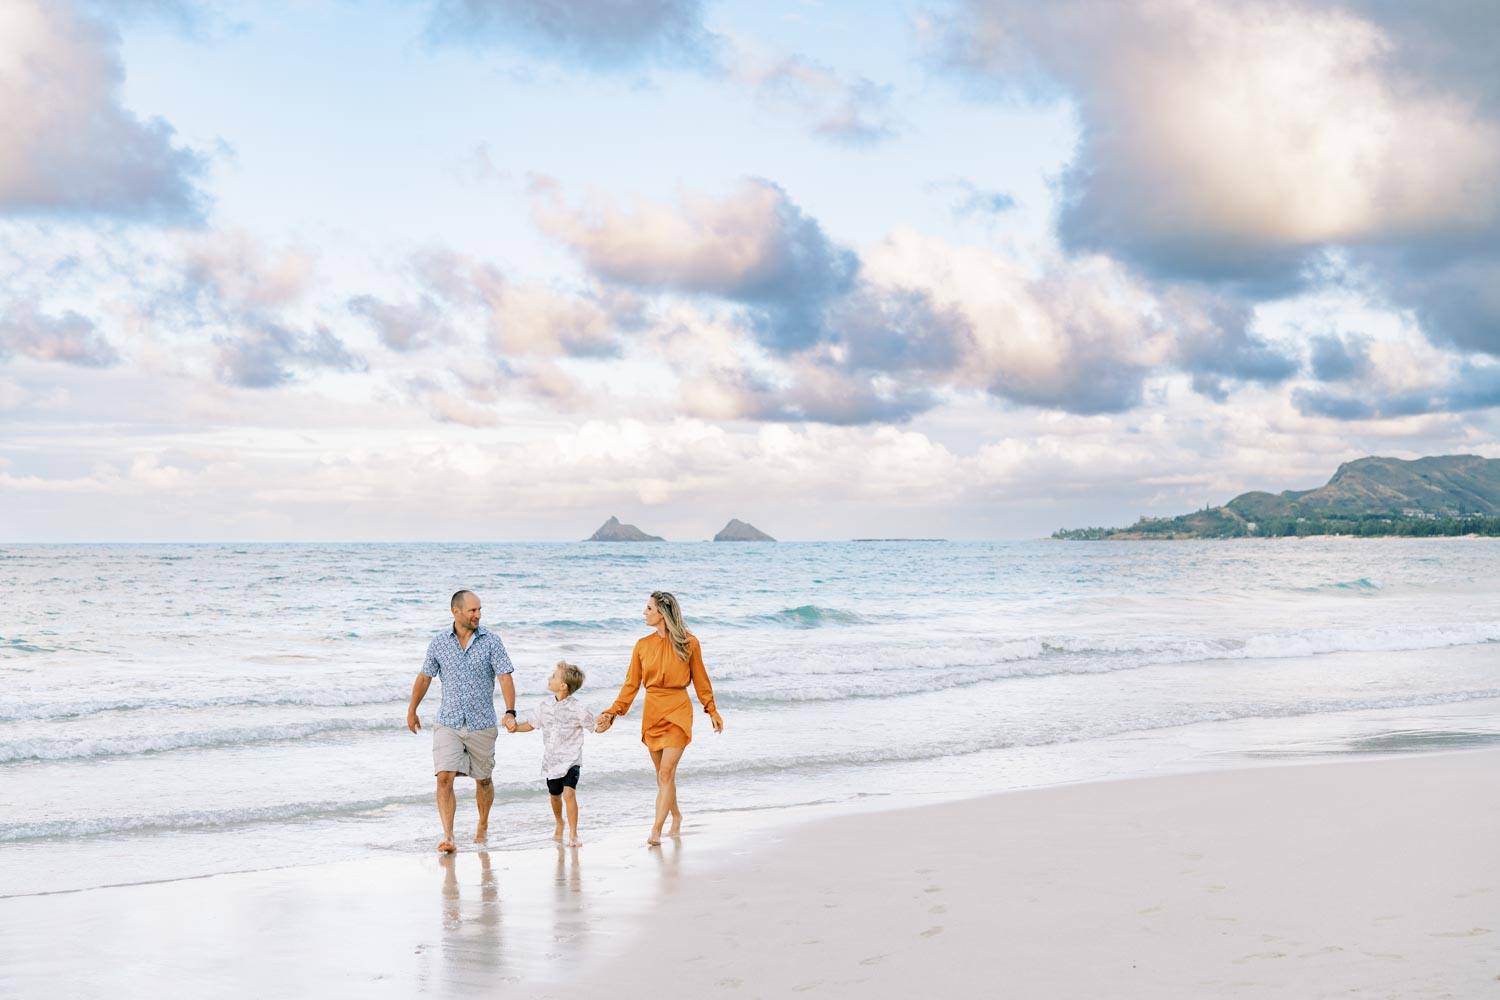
{"x": 604, "y": 721}
{"x": 509, "y": 723}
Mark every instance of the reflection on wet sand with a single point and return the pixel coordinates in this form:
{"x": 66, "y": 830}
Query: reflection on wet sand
{"x": 557, "y": 917}
{"x": 471, "y": 949}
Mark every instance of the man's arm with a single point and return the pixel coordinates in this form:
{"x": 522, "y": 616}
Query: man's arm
{"x": 508, "y": 689}
{"x": 418, "y": 692}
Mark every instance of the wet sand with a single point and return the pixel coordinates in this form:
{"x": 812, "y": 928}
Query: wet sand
{"x": 1370, "y": 877}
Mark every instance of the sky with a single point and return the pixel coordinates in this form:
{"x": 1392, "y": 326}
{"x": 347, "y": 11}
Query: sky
{"x": 498, "y": 269}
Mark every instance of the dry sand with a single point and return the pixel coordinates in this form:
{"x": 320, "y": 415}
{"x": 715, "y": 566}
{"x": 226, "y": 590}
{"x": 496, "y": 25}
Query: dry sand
{"x": 1368, "y": 878}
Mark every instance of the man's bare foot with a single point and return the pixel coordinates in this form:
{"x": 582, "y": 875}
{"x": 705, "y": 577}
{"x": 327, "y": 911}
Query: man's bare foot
{"x": 573, "y": 841}
{"x": 480, "y": 835}
{"x": 557, "y": 833}
{"x": 446, "y": 846}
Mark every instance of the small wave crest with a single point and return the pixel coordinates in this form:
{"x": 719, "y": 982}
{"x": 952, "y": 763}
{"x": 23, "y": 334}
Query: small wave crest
{"x": 1363, "y": 585}
{"x": 808, "y": 616}
{"x": 94, "y": 748}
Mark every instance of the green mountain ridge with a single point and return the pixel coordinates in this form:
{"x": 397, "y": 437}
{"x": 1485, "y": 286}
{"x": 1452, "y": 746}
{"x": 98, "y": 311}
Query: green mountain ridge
{"x": 1437, "y": 495}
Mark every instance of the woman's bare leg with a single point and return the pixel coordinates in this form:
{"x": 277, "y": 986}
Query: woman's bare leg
{"x": 666, "y": 789}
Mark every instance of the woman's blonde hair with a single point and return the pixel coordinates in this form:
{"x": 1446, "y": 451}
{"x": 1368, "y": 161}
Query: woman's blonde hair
{"x": 671, "y": 616}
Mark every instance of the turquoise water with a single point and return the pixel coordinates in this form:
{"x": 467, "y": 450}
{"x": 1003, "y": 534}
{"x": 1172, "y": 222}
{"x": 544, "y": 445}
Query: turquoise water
{"x": 169, "y": 711}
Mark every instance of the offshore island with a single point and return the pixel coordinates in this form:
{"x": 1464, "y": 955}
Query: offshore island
{"x": 1370, "y": 497}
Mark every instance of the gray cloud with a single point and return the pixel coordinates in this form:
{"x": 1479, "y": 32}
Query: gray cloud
{"x": 605, "y": 34}
{"x": 404, "y": 327}
{"x": 69, "y": 337}
{"x": 261, "y": 356}
{"x": 232, "y": 286}
{"x": 70, "y": 145}
{"x": 896, "y": 330}
{"x": 1457, "y": 301}
{"x": 1474, "y": 387}
{"x": 1339, "y": 358}
{"x": 1220, "y": 350}
{"x": 756, "y": 248}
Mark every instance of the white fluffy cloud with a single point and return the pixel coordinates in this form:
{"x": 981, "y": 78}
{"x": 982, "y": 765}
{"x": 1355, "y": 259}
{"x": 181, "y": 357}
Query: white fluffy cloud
{"x": 69, "y": 143}
{"x": 1224, "y": 139}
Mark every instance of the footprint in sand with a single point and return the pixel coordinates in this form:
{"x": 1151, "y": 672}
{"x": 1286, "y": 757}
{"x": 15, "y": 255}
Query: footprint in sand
{"x": 940, "y": 908}
{"x": 933, "y": 888}
{"x": 872, "y": 960}
{"x": 931, "y": 932}
{"x": 1471, "y": 932}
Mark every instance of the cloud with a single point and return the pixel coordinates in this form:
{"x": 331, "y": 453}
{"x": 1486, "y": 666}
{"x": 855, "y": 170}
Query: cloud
{"x": 260, "y": 354}
{"x": 974, "y": 202}
{"x": 1232, "y": 142}
{"x": 404, "y": 327}
{"x": 68, "y": 338}
{"x": 1472, "y": 387}
{"x": 233, "y": 285}
{"x": 70, "y": 144}
{"x": 1080, "y": 335}
{"x": 1217, "y": 347}
{"x": 854, "y": 112}
{"x": 603, "y": 34}
{"x": 754, "y": 247}
{"x": 520, "y": 318}
{"x": 1339, "y": 358}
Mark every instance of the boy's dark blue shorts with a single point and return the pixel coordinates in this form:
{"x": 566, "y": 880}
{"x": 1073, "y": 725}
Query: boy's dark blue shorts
{"x": 569, "y": 780}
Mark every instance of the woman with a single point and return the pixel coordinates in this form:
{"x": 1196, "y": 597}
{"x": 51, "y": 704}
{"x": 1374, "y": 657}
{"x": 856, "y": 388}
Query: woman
{"x": 665, "y": 662}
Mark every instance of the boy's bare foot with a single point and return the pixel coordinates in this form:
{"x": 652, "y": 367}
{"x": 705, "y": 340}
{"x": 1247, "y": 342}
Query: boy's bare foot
{"x": 480, "y": 835}
{"x": 446, "y": 846}
{"x": 573, "y": 841}
{"x": 557, "y": 833}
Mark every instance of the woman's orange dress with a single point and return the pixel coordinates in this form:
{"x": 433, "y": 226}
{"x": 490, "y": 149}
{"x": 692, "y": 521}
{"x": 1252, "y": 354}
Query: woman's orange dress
{"x": 667, "y": 720}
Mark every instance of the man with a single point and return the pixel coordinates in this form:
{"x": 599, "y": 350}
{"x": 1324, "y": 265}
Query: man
{"x": 468, "y": 657}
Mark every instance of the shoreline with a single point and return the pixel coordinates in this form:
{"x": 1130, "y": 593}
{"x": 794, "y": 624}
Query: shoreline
{"x": 1263, "y": 880}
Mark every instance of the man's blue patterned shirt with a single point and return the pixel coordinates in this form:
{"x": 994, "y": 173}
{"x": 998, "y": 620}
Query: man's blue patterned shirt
{"x": 468, "y": 677}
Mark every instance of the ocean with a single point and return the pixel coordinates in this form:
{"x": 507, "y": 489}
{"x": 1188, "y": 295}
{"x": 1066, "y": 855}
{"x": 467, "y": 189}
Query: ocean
{"x": 174, "y": 711}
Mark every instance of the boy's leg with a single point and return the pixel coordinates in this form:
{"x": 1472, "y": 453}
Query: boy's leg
{"x": 570, "y": 797}
{"x": 557, "y": 814}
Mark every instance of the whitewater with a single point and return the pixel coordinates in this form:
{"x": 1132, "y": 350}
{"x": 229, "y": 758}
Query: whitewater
{"x": 172, "y": 711}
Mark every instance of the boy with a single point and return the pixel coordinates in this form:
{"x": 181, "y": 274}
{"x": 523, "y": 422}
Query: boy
{"x": 563, "y": 721}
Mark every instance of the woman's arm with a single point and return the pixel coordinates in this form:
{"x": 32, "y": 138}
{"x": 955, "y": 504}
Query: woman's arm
{"x": 702, "y": 686}
{"x": 627, "y": 690}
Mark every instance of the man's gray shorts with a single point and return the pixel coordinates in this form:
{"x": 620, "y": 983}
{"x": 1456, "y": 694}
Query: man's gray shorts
{"x": 467, "y": 751}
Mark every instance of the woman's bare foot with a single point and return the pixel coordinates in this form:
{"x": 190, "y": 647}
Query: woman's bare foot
{"x": 446, "y": 846}
{"x": 676, "y": 829}
{"x": 654, "y": 840}
{"x": 558, "y": 832}
{"x": 573, "y": 841}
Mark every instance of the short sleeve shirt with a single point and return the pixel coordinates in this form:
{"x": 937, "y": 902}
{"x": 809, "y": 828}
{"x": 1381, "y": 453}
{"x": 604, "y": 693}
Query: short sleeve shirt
{"x": 468, "y": 677}
{"x": 563, "y": 725}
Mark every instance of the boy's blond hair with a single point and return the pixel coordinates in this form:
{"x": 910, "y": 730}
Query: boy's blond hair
{"x": 571, "y": 675}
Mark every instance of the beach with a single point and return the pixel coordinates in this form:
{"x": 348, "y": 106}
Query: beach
{"x": 1372, "y": 876}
